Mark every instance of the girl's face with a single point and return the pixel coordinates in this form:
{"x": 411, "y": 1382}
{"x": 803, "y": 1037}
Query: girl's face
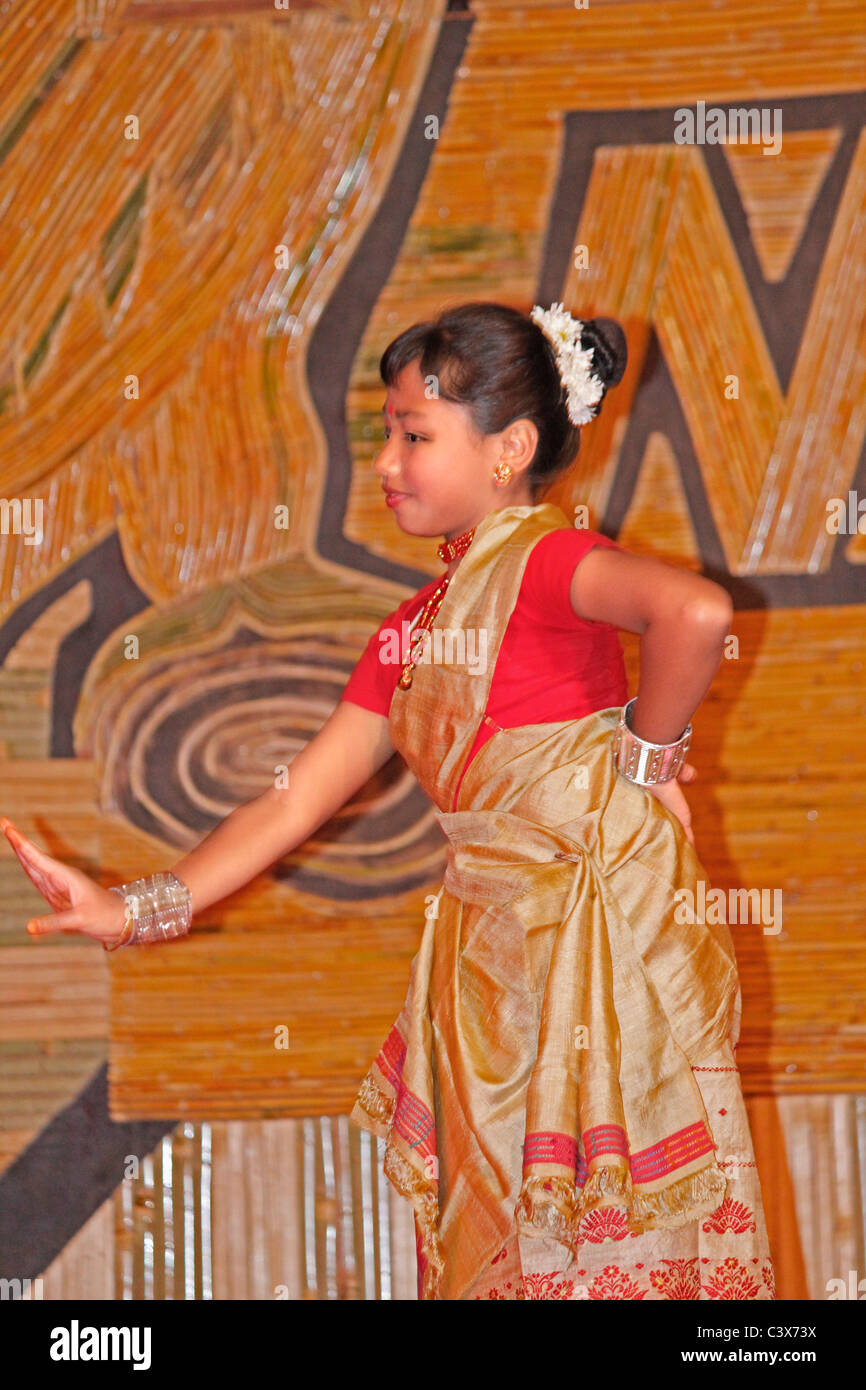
{"x": 438, "y": 471}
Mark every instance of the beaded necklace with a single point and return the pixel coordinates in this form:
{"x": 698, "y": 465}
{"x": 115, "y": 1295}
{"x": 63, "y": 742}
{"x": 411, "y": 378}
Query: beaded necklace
{"x": 447, "y": 551}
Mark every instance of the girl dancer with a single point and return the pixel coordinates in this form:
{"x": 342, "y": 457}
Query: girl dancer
{"x": 559, "y": 1093}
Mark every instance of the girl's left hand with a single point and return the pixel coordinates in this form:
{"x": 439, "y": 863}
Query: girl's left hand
{"x": 80, "y": 905}
{"x": 670, "y": 795}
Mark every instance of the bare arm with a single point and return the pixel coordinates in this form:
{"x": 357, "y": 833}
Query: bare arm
{"x": 351, "y": 745}
{"x": 682, "y": 619}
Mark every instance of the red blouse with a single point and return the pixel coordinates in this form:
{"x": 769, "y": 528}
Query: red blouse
{"x": 552, "y": 665}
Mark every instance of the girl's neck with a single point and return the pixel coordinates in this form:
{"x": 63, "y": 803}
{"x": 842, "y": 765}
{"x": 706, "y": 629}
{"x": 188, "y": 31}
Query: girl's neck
{"x": 522, "y": 502}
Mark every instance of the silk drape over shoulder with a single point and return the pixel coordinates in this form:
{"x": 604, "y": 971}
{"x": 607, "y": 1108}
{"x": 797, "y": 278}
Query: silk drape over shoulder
{"x": 541, "y": 1065}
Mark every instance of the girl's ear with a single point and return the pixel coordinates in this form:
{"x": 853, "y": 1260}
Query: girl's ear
{"x": 519, "y": 442}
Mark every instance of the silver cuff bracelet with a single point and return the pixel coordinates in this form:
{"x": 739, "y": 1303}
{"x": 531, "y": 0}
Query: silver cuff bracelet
{"x": 643, "y": 762}
{"x": 158, "y": 908}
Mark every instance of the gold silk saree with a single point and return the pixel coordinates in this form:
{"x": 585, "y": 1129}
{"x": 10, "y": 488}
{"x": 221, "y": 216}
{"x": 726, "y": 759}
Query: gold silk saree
{"x": 541, "y": 1067}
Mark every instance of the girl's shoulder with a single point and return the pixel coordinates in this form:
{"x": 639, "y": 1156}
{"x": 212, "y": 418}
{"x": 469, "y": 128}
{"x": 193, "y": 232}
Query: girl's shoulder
{"x": 545, "y": 592}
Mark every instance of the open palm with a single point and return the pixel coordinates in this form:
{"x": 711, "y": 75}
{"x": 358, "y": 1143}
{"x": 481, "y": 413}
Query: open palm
{"x": 80, "y": 905}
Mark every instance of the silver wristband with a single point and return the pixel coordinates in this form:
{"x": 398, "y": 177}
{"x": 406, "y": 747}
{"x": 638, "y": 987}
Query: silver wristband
{"x": 643, "y": 762}
{"x": 158, "y": 908}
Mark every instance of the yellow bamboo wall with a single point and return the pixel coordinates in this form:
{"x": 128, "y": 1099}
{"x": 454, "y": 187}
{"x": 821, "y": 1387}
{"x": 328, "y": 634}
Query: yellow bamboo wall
{"x": 155, "y": 392}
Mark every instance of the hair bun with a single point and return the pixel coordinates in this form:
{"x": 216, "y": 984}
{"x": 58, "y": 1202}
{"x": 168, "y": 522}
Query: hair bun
{"x": 610, "y": 350}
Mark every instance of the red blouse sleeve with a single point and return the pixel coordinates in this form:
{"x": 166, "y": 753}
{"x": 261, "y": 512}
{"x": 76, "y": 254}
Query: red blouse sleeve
{"x": 374, "y": 678}
{"x": 549, "y": 572}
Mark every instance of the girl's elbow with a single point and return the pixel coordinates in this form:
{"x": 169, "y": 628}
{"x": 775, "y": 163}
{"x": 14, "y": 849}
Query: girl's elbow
{"x": 711, "y": 610}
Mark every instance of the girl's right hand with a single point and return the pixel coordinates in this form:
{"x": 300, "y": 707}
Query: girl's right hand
{"x": 80, "y": 904}
{"x": 671, "y": 796}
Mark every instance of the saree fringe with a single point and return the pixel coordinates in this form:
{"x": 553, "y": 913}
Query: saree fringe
{"x": 376, "y": 1104}
{"x": 546, "y": 1206}
{"x": 555, "y": 1207}
{"x": 419, "y": 1191}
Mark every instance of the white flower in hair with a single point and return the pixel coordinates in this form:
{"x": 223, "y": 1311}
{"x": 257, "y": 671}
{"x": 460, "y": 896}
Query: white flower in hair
{"x": 574, "y": 362}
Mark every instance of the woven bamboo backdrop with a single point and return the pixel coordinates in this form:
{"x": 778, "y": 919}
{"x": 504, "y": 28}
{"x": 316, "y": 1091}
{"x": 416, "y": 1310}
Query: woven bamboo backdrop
{"x": 215, "y": 215}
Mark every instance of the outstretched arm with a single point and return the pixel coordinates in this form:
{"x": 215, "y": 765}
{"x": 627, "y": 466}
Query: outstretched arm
{"x": 351, "y": 745}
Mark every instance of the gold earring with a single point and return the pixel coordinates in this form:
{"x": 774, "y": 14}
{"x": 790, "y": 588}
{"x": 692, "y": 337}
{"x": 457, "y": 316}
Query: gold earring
{"x": 502, "y": 472}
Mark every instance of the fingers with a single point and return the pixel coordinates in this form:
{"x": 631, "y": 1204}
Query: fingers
{"x": 21, "y": 845}
{"x": 11, "y": 832}
{"x": 682, "y": 811}
{"x": 45, "y": 873}
{"x": 685, "y": 818}
{"x": 688, "y": 773}
{"x": 55, "y": 922}
{"x": 670, "y": 796}
{"x": 24, "y": 848}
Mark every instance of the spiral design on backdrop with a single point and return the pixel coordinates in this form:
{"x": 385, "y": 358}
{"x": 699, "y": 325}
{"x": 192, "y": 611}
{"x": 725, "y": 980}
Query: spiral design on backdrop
{"x": 182, "y": 738}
